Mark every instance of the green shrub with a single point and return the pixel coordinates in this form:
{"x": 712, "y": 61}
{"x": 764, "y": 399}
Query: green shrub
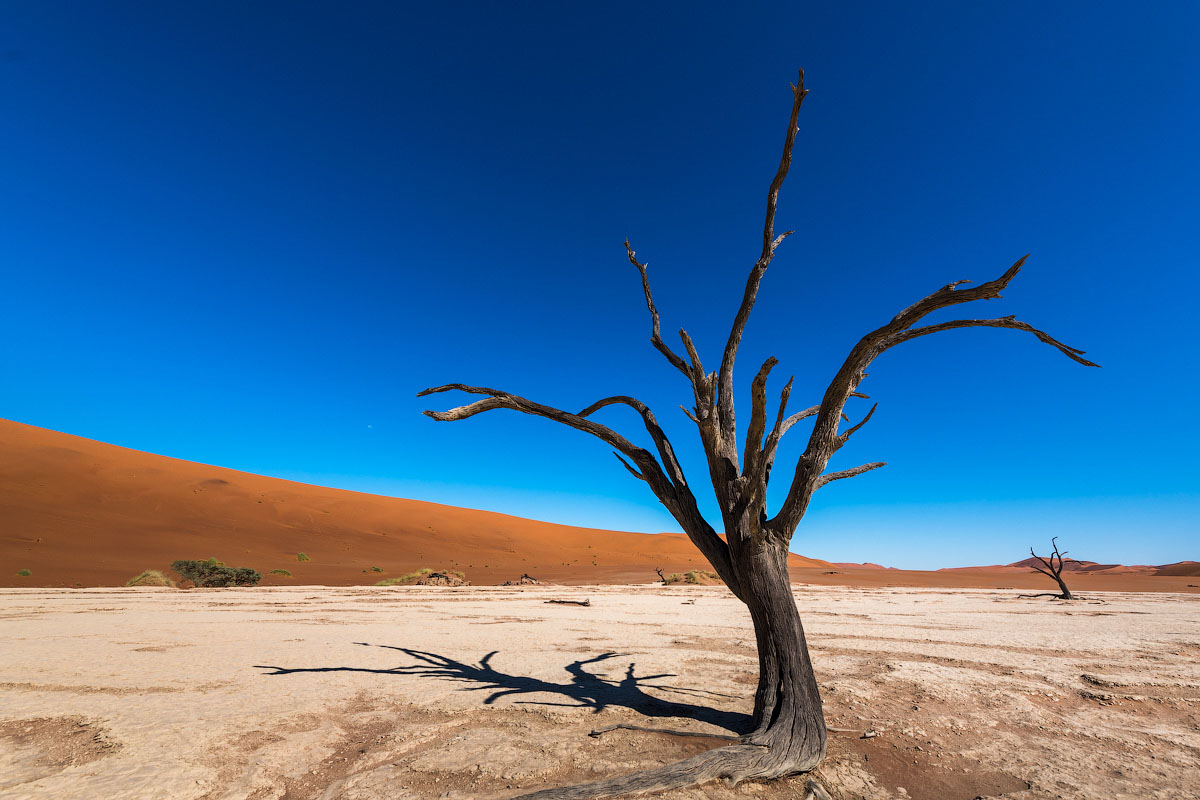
{"x": 285, "y": 573}
{"x": 24, "y": 573}
{"x": 376, "y": 569}
{"x": 150, "y": 577}
{"x": 207, "y": 573}
{"x": 212, "y": 561}
{"x": 302, "y": 557}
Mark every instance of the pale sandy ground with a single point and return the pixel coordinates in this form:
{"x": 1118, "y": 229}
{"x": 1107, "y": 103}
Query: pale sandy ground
{"x": 360, "y": 693}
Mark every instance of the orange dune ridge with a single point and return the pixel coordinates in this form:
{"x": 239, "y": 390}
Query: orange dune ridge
{"x": 79, "y": 512}
{"x": 76, "y": 512}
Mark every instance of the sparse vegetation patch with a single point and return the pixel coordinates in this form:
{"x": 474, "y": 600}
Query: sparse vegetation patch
{"x": 150, "y": 577}
{"x": 427, "y": 577}
{"x": 694, "y": 577}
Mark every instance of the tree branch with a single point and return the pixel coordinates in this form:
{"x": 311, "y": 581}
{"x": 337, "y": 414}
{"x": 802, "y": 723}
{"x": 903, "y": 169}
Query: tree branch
{"x": 758, "y": 418}
{"x": 829, "y": 477}
{"x": 702, "y": 386}
{"x": 1054, "y": 572}
{"x": 655, "y": 329}
{"x": 769, "y": 243}
{"x": 799, "y": 415}
{"x": 845, "y": 437}
{"x": 629, "y": 467}
{"x": 1011, "y": 322}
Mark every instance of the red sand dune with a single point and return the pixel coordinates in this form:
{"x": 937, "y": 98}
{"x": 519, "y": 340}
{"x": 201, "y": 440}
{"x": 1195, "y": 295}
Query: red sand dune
{"x": 1090, "y": 566}
{"x": 1182, "y": 568}
{"x": 79, "y": 512}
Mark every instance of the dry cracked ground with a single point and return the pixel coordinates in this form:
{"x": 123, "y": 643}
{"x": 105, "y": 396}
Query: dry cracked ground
{"x": 488, "y": 692}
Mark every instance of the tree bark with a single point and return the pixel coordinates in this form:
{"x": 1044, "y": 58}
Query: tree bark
{"x": 788, "y": 716}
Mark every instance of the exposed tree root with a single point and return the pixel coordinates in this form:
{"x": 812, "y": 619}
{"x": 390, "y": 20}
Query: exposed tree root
{"x": 815, "y": 791}
{"x": 734, "y": 763}
{"x": 672, "y": 732}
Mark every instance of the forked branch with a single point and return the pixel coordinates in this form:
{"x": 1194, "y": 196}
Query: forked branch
{"x": 1055, "y": 563}
{"x": 825, "y": 438}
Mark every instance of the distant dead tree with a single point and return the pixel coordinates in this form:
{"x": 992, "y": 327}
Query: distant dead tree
{"x": 661, "y": 577}
{"x": 1054, "y": 569}
{"x": 787, "y": 734}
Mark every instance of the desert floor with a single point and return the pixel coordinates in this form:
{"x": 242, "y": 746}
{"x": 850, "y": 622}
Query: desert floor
{"x": 357, "y": 693}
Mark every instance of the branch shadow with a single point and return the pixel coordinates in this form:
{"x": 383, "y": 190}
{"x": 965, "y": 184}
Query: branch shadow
{"x": 584, "y": 689}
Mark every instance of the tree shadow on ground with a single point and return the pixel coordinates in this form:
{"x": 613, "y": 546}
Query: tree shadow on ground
{"x": 584, "y": 689}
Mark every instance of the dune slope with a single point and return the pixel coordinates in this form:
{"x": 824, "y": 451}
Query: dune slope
{"x": 76, "y": 511}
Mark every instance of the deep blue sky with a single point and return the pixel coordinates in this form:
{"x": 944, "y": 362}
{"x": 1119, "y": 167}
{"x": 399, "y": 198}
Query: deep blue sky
{"x": 247, "y": 234}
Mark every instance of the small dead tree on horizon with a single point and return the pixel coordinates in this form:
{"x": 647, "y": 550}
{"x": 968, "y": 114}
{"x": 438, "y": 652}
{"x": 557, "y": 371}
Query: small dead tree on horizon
{"x": 1054, "y": 569}
{"x": 787, "y": 733}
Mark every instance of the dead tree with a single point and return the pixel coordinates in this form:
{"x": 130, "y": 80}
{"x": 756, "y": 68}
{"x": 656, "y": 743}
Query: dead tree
{"x": 1054, "y": 568}
{"x": 787, "y": 734}
{"x": 661, "y": 577}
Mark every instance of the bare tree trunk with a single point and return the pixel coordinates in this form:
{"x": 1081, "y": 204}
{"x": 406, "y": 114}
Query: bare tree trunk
{"x": 1066, "y": 593}
{"x": 788, "y": 716}
{"x": 788, "y": 734}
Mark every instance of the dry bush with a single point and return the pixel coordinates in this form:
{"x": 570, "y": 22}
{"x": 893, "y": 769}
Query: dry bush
{"x": 150, "y": 577}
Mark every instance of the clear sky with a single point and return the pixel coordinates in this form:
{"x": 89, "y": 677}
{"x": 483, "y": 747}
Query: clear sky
{"x": 247, "y": 234}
